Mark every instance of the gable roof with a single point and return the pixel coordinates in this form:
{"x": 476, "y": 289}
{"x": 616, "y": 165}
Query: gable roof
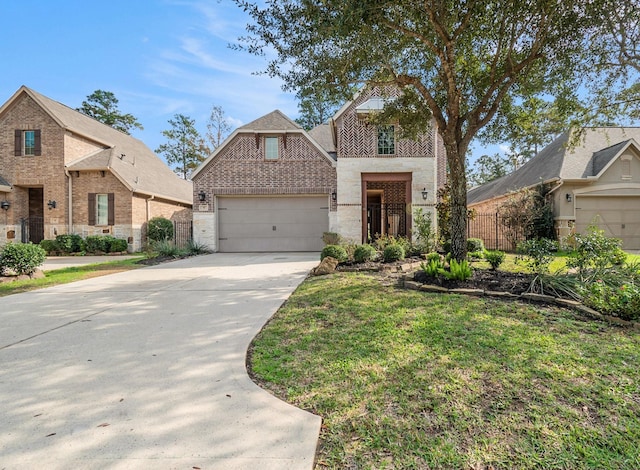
{"x": 323, "y": 135}
{"x": 560, "y": 161}
{"x": 130, "y": 160}
{"x": 275, "y": 122}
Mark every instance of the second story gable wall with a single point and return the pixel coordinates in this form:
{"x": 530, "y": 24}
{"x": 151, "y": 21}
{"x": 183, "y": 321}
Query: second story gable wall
{"x": 76, "y": 146}
{"x": 242, "y": 169}
{"x": 31, "y": 170}
{"x": 359, "y": 139}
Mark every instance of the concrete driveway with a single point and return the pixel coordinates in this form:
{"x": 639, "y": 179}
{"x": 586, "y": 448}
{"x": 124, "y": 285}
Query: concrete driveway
{"x": 146, "y": 369}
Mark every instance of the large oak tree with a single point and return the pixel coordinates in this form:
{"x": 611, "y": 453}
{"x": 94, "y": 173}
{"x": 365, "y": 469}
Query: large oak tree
{"x": 458, "y": 60}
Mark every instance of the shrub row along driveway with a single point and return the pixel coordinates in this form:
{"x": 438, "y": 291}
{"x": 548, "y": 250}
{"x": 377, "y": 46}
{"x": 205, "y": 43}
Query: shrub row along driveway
{"x": 146, "y": 369}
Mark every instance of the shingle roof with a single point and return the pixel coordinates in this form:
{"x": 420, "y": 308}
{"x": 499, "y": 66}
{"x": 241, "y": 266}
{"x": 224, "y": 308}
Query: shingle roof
{"x": 561, "y": 160}
{"x": 322, "y": 135}
{"x": 274, "y": 121}
{"x": 128, "y": 158}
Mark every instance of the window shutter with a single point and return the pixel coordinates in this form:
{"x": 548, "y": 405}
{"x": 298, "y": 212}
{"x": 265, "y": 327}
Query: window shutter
{"x": 18, "y": 143}
{"x": 38, "y": 144}
{"x": 92, "y": 208}
{"x": 112, "y": 213}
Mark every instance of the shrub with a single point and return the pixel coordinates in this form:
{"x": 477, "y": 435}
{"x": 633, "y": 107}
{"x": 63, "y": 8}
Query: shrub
{"x": 618, "y": 300}
{"x": 425, "y": 234}
{"x": 50, "y": 246}
{"x": 168, "y": 248}
{"x": 433, "y": 256}
{"x": 432, "y": 267}
{"x": 117, "y": 245}
{"x": 537, "y": 254}
{"x": 475, "y": 255}
{"x": 475, "y": 245}
{"x": 70, "y": 243}
{"x": 594, "y": 250}
{"x": 393, "y": 252}
{"x": 495, "y": 258}
{"x": 364, "y": 253}
{"x": 96, "y": 243}
{"x": 331, "y": 238}
{"x": 458, "y": 271}
{"x": 159, "y": 229}
{"x": 22, "y": 258}
{"x": 196, "y": 248}
{"x": 334, "y": 251}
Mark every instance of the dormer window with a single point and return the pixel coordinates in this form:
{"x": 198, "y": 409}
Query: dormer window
{"x": 271, "y": 148}
{"x": 386, "y": 140}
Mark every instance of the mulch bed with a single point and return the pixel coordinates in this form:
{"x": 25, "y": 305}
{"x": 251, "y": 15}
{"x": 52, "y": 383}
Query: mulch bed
{"x": 500, "y": 281}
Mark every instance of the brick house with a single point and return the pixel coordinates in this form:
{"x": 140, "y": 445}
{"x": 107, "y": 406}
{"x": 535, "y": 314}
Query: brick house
{"x": 272, "y": 186}
{"x": 595, "y": 180}
{"x": 64, "y": 172}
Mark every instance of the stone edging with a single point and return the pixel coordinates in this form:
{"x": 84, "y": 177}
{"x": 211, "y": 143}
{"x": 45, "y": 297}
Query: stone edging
{"x": 528, "y": 297}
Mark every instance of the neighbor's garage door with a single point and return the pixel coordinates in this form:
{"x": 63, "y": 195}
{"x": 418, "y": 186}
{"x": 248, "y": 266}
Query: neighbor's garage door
{"x": 618, "y": 216}
{"x": 272, "y": 223}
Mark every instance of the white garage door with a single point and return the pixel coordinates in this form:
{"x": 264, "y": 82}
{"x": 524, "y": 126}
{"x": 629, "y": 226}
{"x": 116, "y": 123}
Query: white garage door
{"x": 619, "y": 217}
{"x": 257, "y": 224}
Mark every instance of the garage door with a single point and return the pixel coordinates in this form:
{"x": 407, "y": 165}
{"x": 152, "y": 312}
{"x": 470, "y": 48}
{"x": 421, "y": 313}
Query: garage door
{"x": 619, "y": 217}
{"x": 272, "y": 223}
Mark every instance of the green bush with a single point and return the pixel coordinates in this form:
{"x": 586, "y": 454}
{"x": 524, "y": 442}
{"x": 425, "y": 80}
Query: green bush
{"x": 196, "y": 248}
{"x": 50, "y": 246}
{"x": 70, "y": 243}
{"x": 22, "y": 258}
{"x": 432, "y": 267}
{"x": 364, "y": 253}
{"x": 458, "y": 271}
{"x": 426, "y": 237}
{"x": 334, "y": 251}
{"x": 117, "y": 245}
{"x": 393, "y": 252}
{"x": 168, "y": 248}
{"x": 475, "y": 245}
{"x": 159, "y": 229}
{"x": 495, "y": 258}
{"x": 610, "y": 298}
{"x": 537, "y": 254}
{"x": 96, "y": 244}
{"x": 433, "y": 256}
{"x": 594, "y": 250}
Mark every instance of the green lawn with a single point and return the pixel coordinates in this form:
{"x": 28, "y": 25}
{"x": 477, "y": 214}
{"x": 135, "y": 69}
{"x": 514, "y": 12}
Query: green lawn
{"x": 66, "y": 275}
{"x": 405, "y": 379}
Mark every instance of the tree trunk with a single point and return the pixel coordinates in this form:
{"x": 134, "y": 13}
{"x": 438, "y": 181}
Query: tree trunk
{"x": 458, "y": 183}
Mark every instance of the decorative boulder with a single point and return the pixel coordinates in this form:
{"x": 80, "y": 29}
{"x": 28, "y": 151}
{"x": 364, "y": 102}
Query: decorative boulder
{"x": 326, "y": 266}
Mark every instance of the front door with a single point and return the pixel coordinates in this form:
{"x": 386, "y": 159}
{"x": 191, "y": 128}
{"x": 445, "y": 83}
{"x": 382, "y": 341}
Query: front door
{"x": 36, "y": 215}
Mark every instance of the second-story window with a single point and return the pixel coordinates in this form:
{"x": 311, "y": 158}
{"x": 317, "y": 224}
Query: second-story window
{"x": 386, "y": 140}
{"x": 271, "y": 148}
{"x": 27, "y": 142}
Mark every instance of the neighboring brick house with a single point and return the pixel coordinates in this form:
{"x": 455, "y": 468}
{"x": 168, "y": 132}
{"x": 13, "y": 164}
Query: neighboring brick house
{"x": 593, "y": 181}
{"x": 64, "y": 172}
{"x": 272, "y": 186}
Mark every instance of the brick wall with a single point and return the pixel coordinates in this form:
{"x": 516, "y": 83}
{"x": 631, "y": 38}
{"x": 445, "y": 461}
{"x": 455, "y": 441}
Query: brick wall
{"x": 240, "y": 169}
{"x": 76, "y": 147}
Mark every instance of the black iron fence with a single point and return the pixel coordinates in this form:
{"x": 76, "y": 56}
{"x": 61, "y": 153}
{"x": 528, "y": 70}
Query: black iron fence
{"x": 495, "y": 232}
{"x": 32, "y": 229}
{"x": 182, "y": 232}
{"x": 387, "y": 219}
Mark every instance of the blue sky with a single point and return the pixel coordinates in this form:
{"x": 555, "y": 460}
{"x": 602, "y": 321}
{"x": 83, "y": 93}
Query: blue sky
{"x": 159, "y": 57}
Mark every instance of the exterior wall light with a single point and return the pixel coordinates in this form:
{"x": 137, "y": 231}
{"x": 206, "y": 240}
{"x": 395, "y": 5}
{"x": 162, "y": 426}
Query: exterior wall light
{"x": 51, "y": 204}
{"x": 5, "y": 205}
{"x": 569, "y": 197}
{"x": 334, "y": 196}
{"x": 202, "y": 196}
{"x": 425, "y": 193}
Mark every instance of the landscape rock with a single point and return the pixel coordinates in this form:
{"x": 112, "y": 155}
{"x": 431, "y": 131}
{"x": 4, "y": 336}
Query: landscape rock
{"x": 326, "y": 266}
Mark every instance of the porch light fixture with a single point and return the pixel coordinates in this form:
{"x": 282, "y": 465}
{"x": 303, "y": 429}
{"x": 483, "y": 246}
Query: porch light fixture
{"x": 202, "y": 196}
{"x": 425, "y": 193}
{"x": 51, "y": 204}
{"x": 569, "y": 197}
{"x": 5, "y": 205}
{"x": 334, "y": 196}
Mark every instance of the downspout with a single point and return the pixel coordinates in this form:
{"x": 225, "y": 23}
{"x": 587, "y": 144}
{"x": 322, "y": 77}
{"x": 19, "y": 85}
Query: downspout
{"x": 70, "y": 207}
